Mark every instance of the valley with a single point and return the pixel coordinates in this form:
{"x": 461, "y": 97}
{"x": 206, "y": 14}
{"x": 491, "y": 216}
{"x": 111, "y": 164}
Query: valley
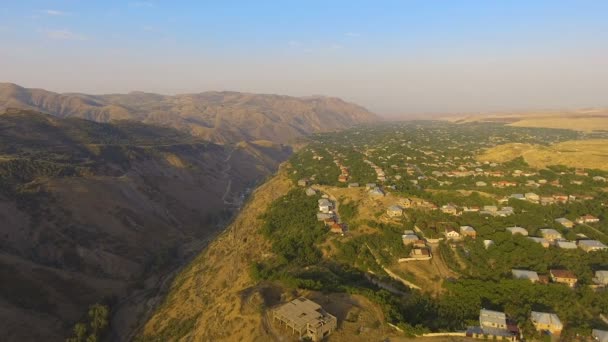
{"x": 405, "y": 230}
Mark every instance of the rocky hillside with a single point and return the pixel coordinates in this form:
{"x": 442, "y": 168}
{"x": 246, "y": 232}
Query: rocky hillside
{"x": 216, "y": 116}
{"x": 96, "y": 212}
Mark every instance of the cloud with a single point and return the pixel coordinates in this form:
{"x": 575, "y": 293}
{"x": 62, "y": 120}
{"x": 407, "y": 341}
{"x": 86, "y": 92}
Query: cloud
{"x": 352, "y": 34}
{"x": 63, "y": 34}
{"x": 55, "y": 13}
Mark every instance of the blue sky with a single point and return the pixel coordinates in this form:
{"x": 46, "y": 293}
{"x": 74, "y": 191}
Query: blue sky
{"x": 395, "y": 57}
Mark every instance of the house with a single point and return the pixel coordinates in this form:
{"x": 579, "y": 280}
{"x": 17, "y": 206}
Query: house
{"x": 518, "y": 196}
{"x": 376, "y": 192}
{"x": 488, "y": 243}
{"x": 591, "y": 246}
{"x": 325, "y": 205}
{"x": 524, "y": 274}
{"x": 304, "y": 182}
{"x": 420, "y": 253}
{"x": 480, "y": 184}
{"x": 600, "y": 335}
{"x": 505, "y": 211}
{"x": 587, "y": 219}
{"x": 409, "y": 232}
{"x": 409, "y": 239}
{"x": 563, "y": 244}
{"x": 449, "y": 209}
{"x": 561, "y": 198}
{"x": 489, "y": 319}
{"x": 471, "y": 209}
{"x": 490, "y": 208}
{"x": 353, "y": 185}
{"x": 599, "y": 179}
{"x": 546, "y": 200}
{"x": 532, "y": 197}
{"x": 565, "y": 222}
{"x": 370, "y": 186}
{"x": 518, "y": 230}
{"x": 468, "y": 231}
{"x": 310, "y": 192}
{"x": 544, "y": 321}
{"x": 550, "y": 234}
{"x": 563, "y": 277}
{"x": 336, "y": 228}
{"x": 452, "y": 234}
{"x": 342, "y": 178}
{"x": 394, "y": 211}
{"x": 544, "y": 242}
{"x": 601, "y": 278}
{"x": 305, "y": 318}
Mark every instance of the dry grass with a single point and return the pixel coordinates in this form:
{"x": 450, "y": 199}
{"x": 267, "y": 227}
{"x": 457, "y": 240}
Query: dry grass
{"x": 591, "y": 154}
{"x": 582, "y": 123}
{"x": 212, "y": 288}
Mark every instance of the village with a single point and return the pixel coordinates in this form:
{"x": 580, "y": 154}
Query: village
{"x": 452, "y": 211}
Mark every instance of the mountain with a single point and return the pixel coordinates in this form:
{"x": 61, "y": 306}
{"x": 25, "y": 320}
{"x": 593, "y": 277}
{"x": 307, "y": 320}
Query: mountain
{"x": 97, "y": 212}
{"x": 220, "y": 117}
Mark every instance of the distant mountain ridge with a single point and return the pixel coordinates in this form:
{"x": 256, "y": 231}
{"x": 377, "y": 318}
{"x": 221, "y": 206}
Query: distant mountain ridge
{"x": 222, "y": 117}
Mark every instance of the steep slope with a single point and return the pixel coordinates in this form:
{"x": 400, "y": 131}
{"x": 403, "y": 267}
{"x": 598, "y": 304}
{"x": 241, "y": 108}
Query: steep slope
{"x": 217, "y": 116}
{"x": 95, "y": 212}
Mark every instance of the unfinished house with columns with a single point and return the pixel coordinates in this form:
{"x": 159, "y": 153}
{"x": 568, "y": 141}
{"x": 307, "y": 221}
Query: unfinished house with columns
{"x": 305, "y": 318}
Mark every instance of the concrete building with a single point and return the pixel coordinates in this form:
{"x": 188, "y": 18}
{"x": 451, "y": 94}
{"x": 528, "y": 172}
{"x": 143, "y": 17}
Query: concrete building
{"x": 468, "y": 231}
{"x": 563, "y": 244}
{"x": 306, "y": 319}
{"x": 489, "y": 319}
{"x": 600, "y": 335}
{"x": 591, "y": 246}
{"x": 550, "y": 234}
{"x": 601, "y": 278}
{"x": 544, "y": 321}
{"x": 563, "y": 277}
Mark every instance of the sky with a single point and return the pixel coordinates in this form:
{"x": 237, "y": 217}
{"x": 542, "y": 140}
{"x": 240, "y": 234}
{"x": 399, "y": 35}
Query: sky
{"x": 397, "y": 58}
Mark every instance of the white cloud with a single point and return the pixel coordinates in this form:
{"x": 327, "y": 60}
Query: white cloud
{"x": 63, "y": 34}
{"x": 352, "y": 34}
{"x": 55, "y": 13}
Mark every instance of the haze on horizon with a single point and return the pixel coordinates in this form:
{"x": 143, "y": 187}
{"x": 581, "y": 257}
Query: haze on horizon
{"x": 393, "y": 57}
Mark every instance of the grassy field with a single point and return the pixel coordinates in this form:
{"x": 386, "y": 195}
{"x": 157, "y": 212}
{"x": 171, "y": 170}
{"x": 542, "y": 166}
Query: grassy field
{"x": 592, "y": 154}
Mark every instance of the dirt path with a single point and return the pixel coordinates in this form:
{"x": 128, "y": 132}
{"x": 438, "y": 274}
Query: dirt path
{"x": 391, "y": 273}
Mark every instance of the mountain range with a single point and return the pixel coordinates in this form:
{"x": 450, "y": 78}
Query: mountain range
{"x": 221, "y": 117}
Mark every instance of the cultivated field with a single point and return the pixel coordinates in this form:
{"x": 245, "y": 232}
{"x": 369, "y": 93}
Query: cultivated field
{"x": 592, "y": 154}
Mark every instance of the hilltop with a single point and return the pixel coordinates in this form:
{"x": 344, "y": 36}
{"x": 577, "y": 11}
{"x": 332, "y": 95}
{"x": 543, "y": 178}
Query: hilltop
{"x": 221, "y": 117}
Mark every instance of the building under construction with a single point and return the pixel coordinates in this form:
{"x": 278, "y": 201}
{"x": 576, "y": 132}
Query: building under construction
{"x": 305, "y": 318}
